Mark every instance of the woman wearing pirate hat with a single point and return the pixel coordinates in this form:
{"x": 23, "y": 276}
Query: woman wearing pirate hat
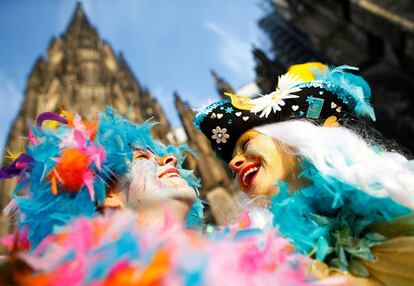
{"x": 339, "y": 197}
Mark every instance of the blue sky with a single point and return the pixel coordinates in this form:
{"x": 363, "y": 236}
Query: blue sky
{"x": 169, "y": 44}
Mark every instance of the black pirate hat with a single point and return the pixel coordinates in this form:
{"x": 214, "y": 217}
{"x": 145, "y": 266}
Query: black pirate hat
{"x": 310, "y": 91}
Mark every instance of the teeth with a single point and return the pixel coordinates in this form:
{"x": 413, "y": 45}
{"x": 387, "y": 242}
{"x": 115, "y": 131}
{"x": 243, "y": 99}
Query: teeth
{"x": 168, "y": 175}
{"x": 251, "y": 170}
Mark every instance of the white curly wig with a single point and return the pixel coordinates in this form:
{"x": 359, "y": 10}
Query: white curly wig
{"x": 341, "y": 153}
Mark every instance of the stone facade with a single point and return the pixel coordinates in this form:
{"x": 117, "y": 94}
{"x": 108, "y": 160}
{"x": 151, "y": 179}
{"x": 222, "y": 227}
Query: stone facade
{"x": 217, "y": 175}
{"x": 377, "y": 36}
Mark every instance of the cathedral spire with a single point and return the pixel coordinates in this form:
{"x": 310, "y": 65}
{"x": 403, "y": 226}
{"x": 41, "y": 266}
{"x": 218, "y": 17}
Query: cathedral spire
{"x": 79, "y": 21}
{"x": 221, "y": 85}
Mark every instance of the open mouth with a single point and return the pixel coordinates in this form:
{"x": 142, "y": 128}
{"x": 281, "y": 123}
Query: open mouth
{"x": 247, "y": 176}
{"x": 169, "y": 173}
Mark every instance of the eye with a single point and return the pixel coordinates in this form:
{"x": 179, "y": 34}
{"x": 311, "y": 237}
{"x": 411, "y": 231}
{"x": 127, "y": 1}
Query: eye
{"x": 140, "y": 154}
{"x": 244, "y": 145}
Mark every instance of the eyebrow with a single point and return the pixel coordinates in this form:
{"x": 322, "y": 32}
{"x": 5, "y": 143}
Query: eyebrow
{"x": 149, "y": 149}
{"x": 144, "y": 150}
{"x": 240, "y": 144}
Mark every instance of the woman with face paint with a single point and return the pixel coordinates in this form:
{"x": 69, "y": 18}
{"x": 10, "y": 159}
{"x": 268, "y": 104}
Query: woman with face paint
{"x": 152, "y": 187}
{"x": 337, "y": 194}
{"x": 72, "y": 168}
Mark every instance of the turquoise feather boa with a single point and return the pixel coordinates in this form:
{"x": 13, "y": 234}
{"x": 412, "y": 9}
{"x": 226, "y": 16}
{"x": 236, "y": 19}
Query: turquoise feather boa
{"x": 329, "y": 218}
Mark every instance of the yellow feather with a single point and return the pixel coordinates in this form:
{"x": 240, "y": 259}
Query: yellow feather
{"x": 12, "y": 155}
{"x": 51, "y": 124}
{"x": 306, "y": 71}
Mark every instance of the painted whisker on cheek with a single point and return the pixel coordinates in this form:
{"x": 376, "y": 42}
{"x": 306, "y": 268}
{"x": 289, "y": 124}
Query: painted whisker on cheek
{"x": 141, "y": 169}
{"x": 145, "y": 184}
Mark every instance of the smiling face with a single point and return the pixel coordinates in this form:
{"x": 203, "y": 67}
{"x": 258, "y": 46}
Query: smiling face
{"x": 260, "y": 162}
{"x": 156, "y": 183}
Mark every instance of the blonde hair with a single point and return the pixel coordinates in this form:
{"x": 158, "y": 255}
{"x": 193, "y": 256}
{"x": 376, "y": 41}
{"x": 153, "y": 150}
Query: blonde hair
{"x": 341, "y": 153}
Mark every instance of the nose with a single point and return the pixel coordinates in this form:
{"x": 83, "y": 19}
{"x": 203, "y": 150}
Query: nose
{"x": 237, "y": 162}
{"x": 167, "y": 159}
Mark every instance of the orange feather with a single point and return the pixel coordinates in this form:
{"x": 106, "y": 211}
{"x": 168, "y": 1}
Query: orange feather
{"x": 70, "y": 169}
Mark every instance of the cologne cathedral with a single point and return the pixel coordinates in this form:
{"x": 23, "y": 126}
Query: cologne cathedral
{"x": 82, "y": 74}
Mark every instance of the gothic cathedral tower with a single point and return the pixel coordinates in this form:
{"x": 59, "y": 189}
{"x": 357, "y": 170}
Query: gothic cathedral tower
{"x": 82, "y": 74}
